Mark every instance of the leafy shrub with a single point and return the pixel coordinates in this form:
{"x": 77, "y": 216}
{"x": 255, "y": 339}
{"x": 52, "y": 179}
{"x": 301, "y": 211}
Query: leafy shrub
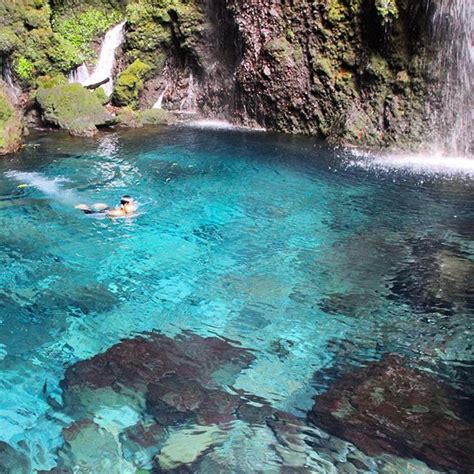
{"x": 23, "y": 68}
{"x": 129, "y": 84}
{"x": 80, "y": 29}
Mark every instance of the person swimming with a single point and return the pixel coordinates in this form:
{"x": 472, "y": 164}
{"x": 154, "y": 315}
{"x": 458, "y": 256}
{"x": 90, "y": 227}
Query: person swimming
{"x": 127, "y": 207}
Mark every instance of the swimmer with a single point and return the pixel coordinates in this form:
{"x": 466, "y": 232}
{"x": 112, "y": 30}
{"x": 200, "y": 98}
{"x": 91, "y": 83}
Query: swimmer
{"x": 127, "y": 207}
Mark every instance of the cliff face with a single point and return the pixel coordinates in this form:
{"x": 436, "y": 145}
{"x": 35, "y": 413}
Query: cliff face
{"x": 350, "y": 70}
{"x": 353, "y": 71}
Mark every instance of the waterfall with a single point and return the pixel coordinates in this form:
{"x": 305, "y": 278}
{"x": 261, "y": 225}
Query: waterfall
{"x": 80, "y": 74}
{"x": 188, "y": 104}
{"x": 452, "y": 28}
{"x": 105, "y": 65}
{"x": 8, "y": 78}
{"x": 158, "y": 104}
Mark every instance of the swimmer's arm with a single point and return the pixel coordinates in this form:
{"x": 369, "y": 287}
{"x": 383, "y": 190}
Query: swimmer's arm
{"x": 115, "y": 212}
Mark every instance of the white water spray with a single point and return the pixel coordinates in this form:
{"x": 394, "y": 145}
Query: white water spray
{"x": 8, "y": 78}
{"x": 105, "y": 65}
{"x": 214, "y": 124}
{"x": 452, "y": 27}
{"x": 189, "y": 104}
{"x": 159, "y": 103}
{"x": 432, "y": 164}
{"x": 80, "y": 74}
{"x": 49, "y": 186}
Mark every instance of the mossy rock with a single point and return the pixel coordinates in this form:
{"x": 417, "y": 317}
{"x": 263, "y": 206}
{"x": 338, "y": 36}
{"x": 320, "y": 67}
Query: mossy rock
{"x": 279, "y": 49}
{"x": 127, "y": 117}
{"x": 136, "y": 119}
{"x": 157, "y": 117}
{"x": 73, "y": 108}
{"x": 101, "y": 95}
{"x": 48, "y": 82}
{"x": 129, "y": 84}
{"x": 11, "y": 127}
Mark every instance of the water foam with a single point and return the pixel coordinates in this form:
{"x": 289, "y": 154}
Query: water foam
{"x": 49, "y": 186}
{"x": 434, "y": 164}
{"x": 212, "y": 124}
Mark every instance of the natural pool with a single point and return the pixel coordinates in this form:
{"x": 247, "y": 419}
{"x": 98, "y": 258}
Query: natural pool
{"x": 265, "y": 266}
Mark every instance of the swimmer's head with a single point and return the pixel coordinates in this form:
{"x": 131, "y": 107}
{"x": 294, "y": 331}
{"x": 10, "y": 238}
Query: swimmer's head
{"x": 128, "y": 204}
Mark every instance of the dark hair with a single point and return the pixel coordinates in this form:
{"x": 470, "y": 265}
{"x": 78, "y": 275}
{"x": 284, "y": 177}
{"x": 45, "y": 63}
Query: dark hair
{"x": 125, "y": 199}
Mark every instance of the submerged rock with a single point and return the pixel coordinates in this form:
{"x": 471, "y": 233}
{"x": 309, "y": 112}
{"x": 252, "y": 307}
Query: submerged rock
{"x": 436, "y": 278}
{"x": 388, "y": 407}
{"x": 90, "y": 448}
{"x": 157, "y": 398}
{"x": 12, "y": 461}
{"x": 11, "y": 126}
{"x": 73, "y": 108}
{"x": 144, "y": 360}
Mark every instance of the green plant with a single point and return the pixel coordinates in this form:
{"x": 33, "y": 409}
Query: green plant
{"x": 129, "y": 84}
{"x": 387, "y": 10}
{"x": 80, "y": 29}
{"x": 24, "y": 68}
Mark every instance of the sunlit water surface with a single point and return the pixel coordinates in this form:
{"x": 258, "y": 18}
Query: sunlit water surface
{"x": 276, "y": 243}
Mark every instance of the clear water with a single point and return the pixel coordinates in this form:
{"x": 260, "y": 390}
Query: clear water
{"x": 274, "y": 242}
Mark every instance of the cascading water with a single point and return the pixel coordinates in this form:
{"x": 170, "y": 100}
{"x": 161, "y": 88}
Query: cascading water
{"x": 105, "y": 65}
{"x": 159, "y": 103}
{"x": 452, "y": 27}
{"x": 80, "y": 74}
{"x": 188, "y": 105}
{"x": 8, "y": 78}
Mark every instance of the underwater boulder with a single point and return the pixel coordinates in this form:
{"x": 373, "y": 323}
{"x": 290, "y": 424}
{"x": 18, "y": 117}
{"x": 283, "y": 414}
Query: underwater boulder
{"x": 91, "y": 448}
{"x": 11, "y": 126}
{"x": 73, "y": 108}
{"x": 139, "y": 362}
{"x": 12, "y": 461}
{"x": 436, "y": 278}
{"x": 388, "y": 407}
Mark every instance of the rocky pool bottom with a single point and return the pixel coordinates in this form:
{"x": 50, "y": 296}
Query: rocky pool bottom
{"x": 276, "y": 306}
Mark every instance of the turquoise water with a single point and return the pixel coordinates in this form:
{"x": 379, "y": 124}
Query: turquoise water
{"x": 309, "y": 257}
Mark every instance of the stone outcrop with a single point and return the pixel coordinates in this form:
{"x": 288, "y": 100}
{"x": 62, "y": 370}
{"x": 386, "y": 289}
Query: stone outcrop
{"x": 11, "y": 126}
{"x": 388, "y": 407}
{"x": 352, "y": 71}
{"x": 73, "y": 108}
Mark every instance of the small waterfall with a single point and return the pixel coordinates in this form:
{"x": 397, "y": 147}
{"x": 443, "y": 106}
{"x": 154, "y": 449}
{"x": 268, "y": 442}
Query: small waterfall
{"x": 80, "y": 74}
{"x": 105, "y": 65}
{"x": 8, "y": 78}
{"x": 189, "y": 104}
{"x": 159, "y": 103}
{"x": 452, "y": 28}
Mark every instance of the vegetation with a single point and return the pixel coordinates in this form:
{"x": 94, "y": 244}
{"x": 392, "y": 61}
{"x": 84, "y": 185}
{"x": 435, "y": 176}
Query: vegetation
{"x": 81, "y": 28}
{"x": 11, "y": 128}
{"x": 130, "y": 84}
{"x": 387, "y": 10}
{"x": 73, "y": 108}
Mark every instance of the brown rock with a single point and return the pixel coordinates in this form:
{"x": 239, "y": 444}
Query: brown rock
{"x": 388, "y": 407}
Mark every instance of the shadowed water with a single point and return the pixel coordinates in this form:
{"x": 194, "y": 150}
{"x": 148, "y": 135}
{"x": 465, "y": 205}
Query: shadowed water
{"x": 313, "y": 260}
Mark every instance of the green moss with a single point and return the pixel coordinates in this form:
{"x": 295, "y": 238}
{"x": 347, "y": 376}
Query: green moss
{"x": 8, "y": 40}
{"x": 34, "y": 49}
{"x": 101, "y": 95}
{"x": 48, "y": 82}
{"x": 324, "y": 65}
{"x": 156, "y": 117}
{"x": 73, "y": 108}
{"x": 81, "y": 28}
{"x": 129, "y": 84}
{"x": 23, "y": 67}
{"x": 335, "y": 11}
{"x": 387, "y": 10}
{"x": 279, "y": 49}
{"x": 379, "y": 67}
{"x": 11, "y": 129}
